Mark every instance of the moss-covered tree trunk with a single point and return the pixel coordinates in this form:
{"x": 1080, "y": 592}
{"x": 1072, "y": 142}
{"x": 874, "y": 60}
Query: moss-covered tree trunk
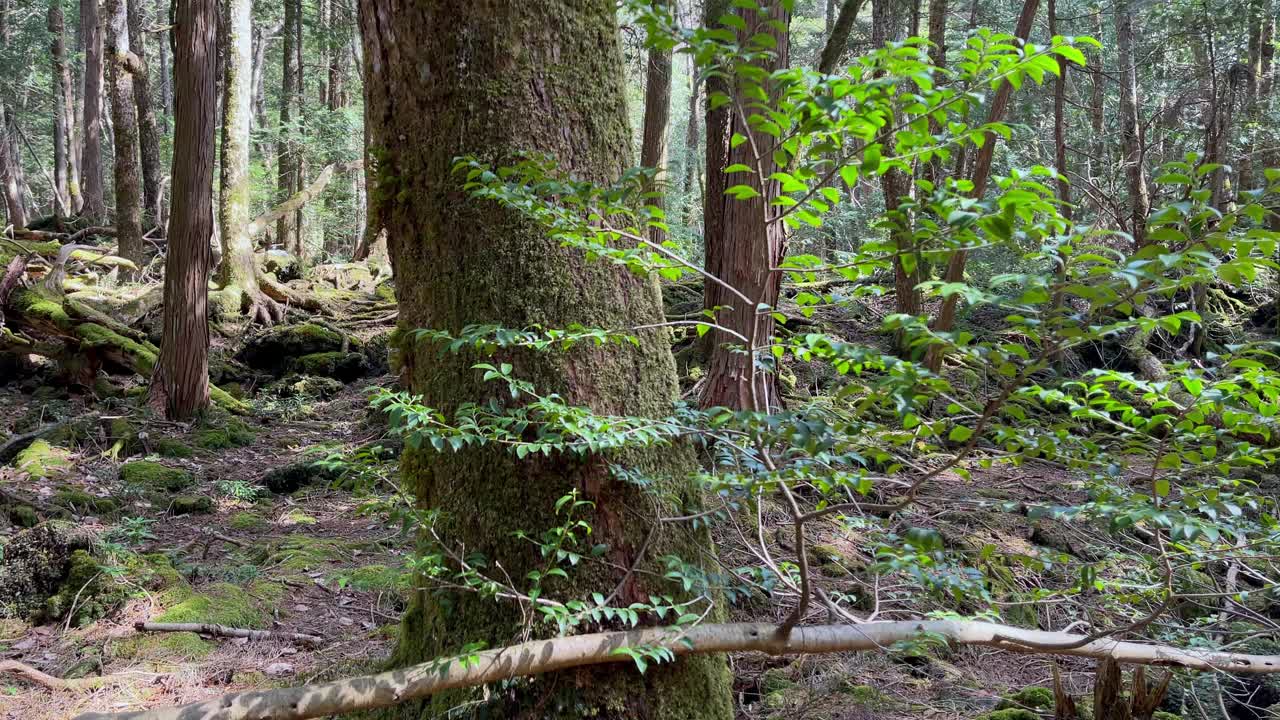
{"x": 512, "y": 76}
{"x": 124, "y": 116}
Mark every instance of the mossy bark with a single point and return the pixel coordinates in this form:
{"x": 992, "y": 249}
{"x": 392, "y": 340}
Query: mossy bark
{"x": 519, "y": 76}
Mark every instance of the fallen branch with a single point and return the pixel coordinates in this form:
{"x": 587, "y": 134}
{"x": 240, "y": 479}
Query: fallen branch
{"x": 32, "y": 675}
{"x": 543, "y": 656}
{"x": 47, "y": 235}
{"x": 18, "y": 443}
{"x": 300, "y": 198}
{"x": 224, "y": 631}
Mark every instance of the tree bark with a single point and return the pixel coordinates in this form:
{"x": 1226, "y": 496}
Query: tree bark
{"x": 181, "y": 382}
{"x": 932, "y": 170}
{"x": 128, "y": 184}
{"x": 838, "y": 37}
{"x": 148, "y": 128}
{"x": 509, "y": 77}
{"x": 238, "y": 271}
{"x": 946, "y": 318}
{"x": 717, "y": 159}
{"x": 692, "y": 168}
{"x": 11, "y": 173}
{"x": 65, "y": 174}
{"x": 95, "y": 206}
{"x": 657, "y": 112}
{"x": 1130, "y": 139}
{"x": 1060, "y": 120}
{"x": 287, "y": 231}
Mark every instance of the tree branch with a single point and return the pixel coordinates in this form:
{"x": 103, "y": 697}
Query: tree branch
{"x": 543, "y": 656}
{"x": 300, "y": 198}
{"x": 224, "y": 631}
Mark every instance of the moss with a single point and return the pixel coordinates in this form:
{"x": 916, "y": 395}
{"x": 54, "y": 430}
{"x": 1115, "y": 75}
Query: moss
{"x": 85, "y": 595}
{"x": 32, "y": 305}
{"x": 42, "y": 460}
{"x": 272, "y": 593}
{"x": 1037, "y": 697}
{"x": 163, "y": 647}
{"x": 247, "y": 521}
{"x": 36, "y": 563}
{"x": 303, "y": 552}
{"x": 233, "y": 433}
{"x": 1162, "y": 715}
{"x": 140, "y": 357}
{"x": 82, "y": 503}
{"x": 775, "y": 680}
{"x": 24, "y": 516}
{"x": 373, "y": 577}
{"x": 866, "y": 695}
{"x": 220, "y": 603}
{"x": 344, "y": 366}
{"x": 297, "y": 517}
{"x": 273, "y": 349}
{"x": 191, "y": 505}
{"x": 385, "y": 291}
{"x": 1009, "y": 714}
{"x": 154, "y": 476}
{"x": 171, "y": 448}
{"x": 123, "y": 436}
{"x": 227, "y": 402}
{"x": 291, "y": 478}
{"x": 306, "y": 386}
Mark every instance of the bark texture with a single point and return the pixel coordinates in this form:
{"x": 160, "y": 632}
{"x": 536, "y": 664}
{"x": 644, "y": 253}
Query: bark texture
{"x": 657, "y": 112}
{"x": 181, "y": 381}
{"x": 148, "y": 128}
{"x": 95, "y": 206}
{"x": 1130, "y": 138}
{"x": 287, "y": 231}
{"x": 516, "y": 76}
{"x": 66, "y": 174}
{"x": 11, "y": 172}
{"x": 747, "y": 246}
{"x": 838, "y": 37}
{"x": 124, "y": 125}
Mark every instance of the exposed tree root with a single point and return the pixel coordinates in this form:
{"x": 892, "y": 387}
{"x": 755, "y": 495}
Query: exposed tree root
{"x": 224, "y": 631}
{"x": 32, "y": 675}
{"x": 543, "y": 656}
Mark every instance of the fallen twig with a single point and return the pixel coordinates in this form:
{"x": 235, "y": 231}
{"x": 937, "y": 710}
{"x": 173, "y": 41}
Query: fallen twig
{"x": 224, "y": 631}
{"x": 543, "y": 656}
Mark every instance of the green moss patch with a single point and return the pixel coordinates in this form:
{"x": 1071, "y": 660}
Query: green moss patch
{"x": 1040, "y": 698}
{"x": 343, "y": 366}
{"x": 191, "y": 505}
{"x": 273, "y": 349}
{"x": 82, "y": 503}
{"x": 231, "y": 433}
{"x": 42, "y": 460}
{"x": 171, "y": 448}
{"x": 247, "y": 521}
{"x": 303, "y": 552}
{"x": 373, "y": 578}
{"x": 154, "y": 476}
{"x": 291, "y": 478}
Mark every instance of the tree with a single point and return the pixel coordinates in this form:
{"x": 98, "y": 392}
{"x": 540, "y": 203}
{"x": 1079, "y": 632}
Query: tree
{"x": 288, "y": 233}
{"x": 544, "y": 76}
{"x": 11, "y": 171}
{"x": 1130, "y": 139}
{"x": 66, "y": 166}
{"x": 181, "y": 382}
{"x": 749, "y": 242}
{"x": 657, "y": 112}
{"x": 148, "y": 127}
{"x": 238, "y": 270}
{"x": 128, "y": 182}
{"x": 838, "y": 37}
{"x": 95, "y": 206}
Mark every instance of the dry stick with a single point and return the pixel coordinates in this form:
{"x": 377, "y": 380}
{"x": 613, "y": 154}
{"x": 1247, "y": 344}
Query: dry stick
{"x": 32, "y": 675}
{"x": 224, "y": 631}
{"x": 543, "y": 656}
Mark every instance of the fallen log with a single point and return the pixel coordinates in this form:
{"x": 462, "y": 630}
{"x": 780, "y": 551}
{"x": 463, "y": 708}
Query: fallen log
{"x": 224, "y": 631}
{"x": 542, "y": 656}
{"x": 45, "y": 680}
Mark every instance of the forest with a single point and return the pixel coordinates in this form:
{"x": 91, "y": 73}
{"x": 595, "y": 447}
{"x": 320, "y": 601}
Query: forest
{"x": 852, "y": 359}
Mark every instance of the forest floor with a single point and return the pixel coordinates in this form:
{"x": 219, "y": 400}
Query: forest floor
{"x": 308, "y": 558}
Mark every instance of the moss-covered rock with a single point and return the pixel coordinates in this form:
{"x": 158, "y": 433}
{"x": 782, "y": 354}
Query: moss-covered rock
{"x": 306, "y": 386}
{"x": 373, "y": 577}
{"x": 291, "y": 478}
{"x": 1039, "y": 698}
{"x": 36, "y": 562}
{"x": 273, "y": 349}
{"x": 1009, "y": 714}
{"x": 191, "y": 505}
{"x": 171, "y": 448}
{"x": 247, "y": 522}
{"x": 229, "y": 433}
{"x": 42, "y": 460}
{"x": 344, "y": 366}
{"x": 86, "y": 594}
{"x": 24, "y": 516}
{"x": 154, "y": 476}
{"x": 82, "y": 503}
{"x": 299, "y": 552}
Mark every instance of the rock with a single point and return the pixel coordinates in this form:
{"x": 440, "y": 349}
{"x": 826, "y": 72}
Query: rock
{"x": 274, "y": 349}
{"x": 344, "y": 366}
{"x": 278, "y": 669}
{"x": 82, "y": 503}
{"x": 36, "y": 562}
{"x": 191, "y": 505}
{"x": 154, "y": 476}
{"x": 291, "y": 478}
{"x": 306, "y": 386}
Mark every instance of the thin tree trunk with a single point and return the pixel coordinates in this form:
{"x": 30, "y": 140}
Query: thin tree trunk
{"x": 838, "y": 36}
{"x": 1060, "y": 120}
{"x": 692, "y": 166}
{"x": 287, "y": 153}
{"x": 11, "y": 172}
{"x": 166, "y": 74}
{"x": 238, "y": 271}
{"x": 128, "y": 184}
{"x": 657, "y": 112}
{"x": 1130, "y": 139}
{"x": 64, "y": 186}
{"x": 751, "y": 248}
{"x": 717, "y": 159}
{"x": 1097, "y": 115}
{"x": 181, "y": 381}
{"x": 938, "y": 57}
{"x": 95, "y": 207}
{"x": 481, "y": 263}
{"x": 946, "y": 318}
{"x": 148, "y": 128}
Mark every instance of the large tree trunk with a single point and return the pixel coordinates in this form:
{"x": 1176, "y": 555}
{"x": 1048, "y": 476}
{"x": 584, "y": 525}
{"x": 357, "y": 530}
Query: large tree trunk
{"x": 95, "y": 206}
{"x": 657, "y": 111}
{"x": 181, "y": 381}
{"x": 717, "y": 159}
{"x": 238, "y": 272}
{"x": 148, "y": 128}
{"x": 516, "y": 76}
{"x": 1130, "y": 139}
{"x": 287, "y": 231}
{"x": 749, "y": 249}
{"x": 838, "y": 34}
{"x": 124, "y": 125}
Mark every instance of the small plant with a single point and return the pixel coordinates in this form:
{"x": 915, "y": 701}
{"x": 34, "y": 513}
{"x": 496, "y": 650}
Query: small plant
{"x": 132, "y": 531}
{"x": 241, "y": 490}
